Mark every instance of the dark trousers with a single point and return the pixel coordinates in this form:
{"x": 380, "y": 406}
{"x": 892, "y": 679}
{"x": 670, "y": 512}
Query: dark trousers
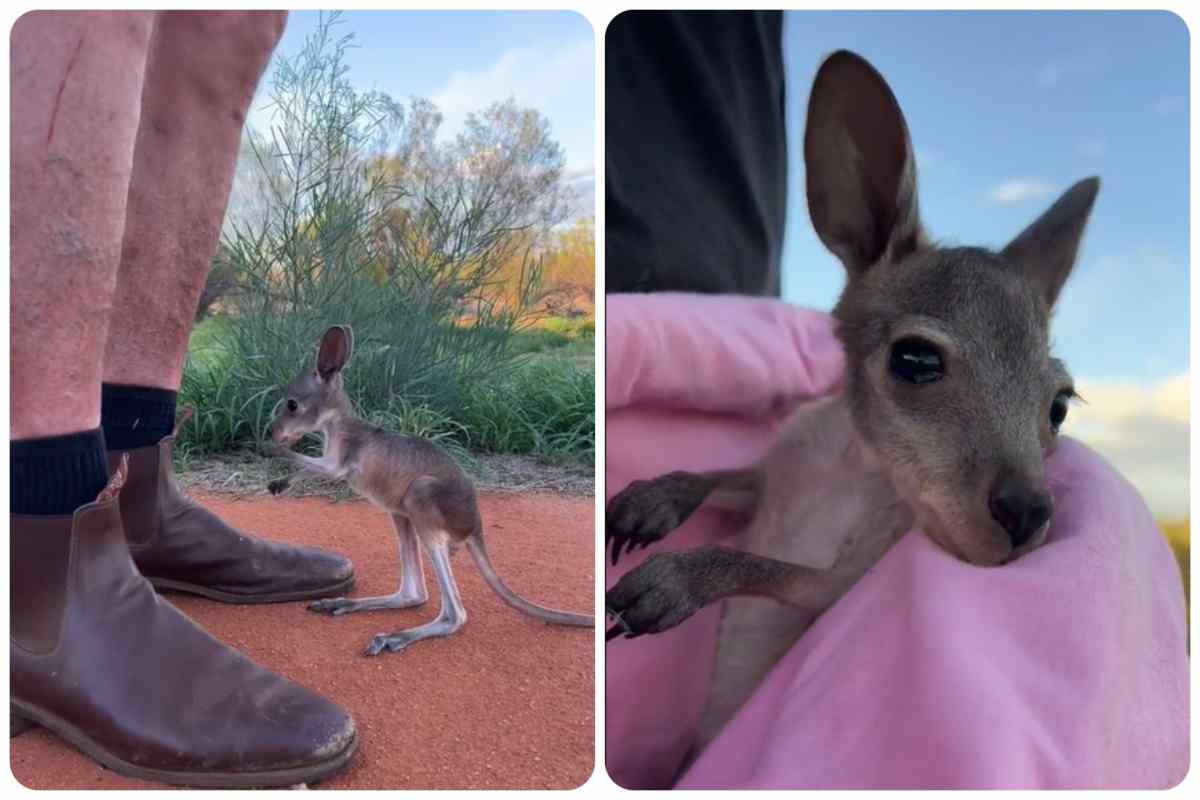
{"x": 696, "y": 152}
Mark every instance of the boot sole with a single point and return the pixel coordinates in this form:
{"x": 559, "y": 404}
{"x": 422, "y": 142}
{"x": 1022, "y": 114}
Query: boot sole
{"x": 23, "y": 717}
{"x": 335, "y": 590}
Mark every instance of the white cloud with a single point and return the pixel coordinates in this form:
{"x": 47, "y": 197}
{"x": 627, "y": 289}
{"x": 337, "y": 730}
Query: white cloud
{"x": 1019, "y": 190}
{"x": 1111, "y": 400}
{"x": 555, "y": 77}
{"x": 580, "y": 174}
{"x": 581, "y": 184}
{"x": 1143, "y": 430}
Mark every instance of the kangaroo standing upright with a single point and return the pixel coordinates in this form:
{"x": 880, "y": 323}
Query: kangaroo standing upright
{"x": 430, "y": 499}
{"x": 950, "y": 403}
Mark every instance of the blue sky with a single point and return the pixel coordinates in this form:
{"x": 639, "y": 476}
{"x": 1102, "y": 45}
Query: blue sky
{"x": 1006, "y": 110}
{"x": 464, "y": 60}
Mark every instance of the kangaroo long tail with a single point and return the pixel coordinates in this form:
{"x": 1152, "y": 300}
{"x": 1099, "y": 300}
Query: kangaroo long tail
{"x": 479, "y": 553}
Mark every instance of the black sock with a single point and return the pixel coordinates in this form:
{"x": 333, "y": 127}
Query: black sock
{"x": 58, "y": 474}
{"x": 135, "y": 416}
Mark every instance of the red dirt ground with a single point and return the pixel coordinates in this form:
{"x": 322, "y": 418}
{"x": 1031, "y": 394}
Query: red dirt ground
{"x": 506, "y": 703}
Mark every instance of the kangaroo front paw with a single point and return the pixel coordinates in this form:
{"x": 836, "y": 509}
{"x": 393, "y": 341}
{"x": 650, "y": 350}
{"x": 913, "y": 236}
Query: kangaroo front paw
{"x": 277, "y": 486}
{"x": 656, "y": 596}
{"x": 646, "y": 511}
{"x": 334, "y": 606}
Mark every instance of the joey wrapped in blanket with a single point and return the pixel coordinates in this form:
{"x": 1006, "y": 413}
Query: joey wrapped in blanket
{"x": 1067, "y": 668}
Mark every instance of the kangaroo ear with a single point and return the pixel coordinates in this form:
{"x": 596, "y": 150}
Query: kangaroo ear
{"x": 861, "y": 176}
{"x": 1046, "y": 250}
{"x": 336, "y": 347}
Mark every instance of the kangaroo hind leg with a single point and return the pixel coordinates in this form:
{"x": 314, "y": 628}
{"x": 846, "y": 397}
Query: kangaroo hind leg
{"x": 412, "y": 591}
{"x": 429, "y": 523}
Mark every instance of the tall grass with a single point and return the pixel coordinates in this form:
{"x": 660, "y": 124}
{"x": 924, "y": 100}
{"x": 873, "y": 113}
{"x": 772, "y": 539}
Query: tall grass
{"x": 543, "y": 407}
{"x": 539, "y": 404}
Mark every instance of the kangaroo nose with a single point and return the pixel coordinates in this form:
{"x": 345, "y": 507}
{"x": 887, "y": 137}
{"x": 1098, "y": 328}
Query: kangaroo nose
{"x": 1020, "y": 511}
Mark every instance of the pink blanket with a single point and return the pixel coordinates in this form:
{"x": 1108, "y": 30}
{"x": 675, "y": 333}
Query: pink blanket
{"x": 1067, "y": 668}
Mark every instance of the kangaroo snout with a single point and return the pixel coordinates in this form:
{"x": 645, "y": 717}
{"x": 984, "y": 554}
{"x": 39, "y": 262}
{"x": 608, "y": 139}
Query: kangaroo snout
{"x": 1021, "y": 509}
{"x": 279, "y": 434}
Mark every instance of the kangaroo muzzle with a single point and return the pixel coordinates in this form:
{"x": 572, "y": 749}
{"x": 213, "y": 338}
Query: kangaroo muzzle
{"x": 1020, "y": 508}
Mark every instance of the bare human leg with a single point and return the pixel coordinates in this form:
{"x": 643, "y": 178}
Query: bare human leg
{"x": 202, "y": 71}
{"x": 72, "y": 76}
{"x": 94, "y": 655}
{"x": 194, "y": 107}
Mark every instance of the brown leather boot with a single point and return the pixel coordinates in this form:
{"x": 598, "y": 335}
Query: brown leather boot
{"x": 100, "y": 659}
{"x": 180, "y": 545}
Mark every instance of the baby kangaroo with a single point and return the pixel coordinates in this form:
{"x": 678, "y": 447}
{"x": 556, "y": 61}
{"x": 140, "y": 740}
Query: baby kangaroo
{"x": 430, "y": 498}
{"x": 950, "y": 403}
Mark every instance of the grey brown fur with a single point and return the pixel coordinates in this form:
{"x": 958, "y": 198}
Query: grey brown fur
{"x": 956, "y": 448}
{"x": 430, "y": 499}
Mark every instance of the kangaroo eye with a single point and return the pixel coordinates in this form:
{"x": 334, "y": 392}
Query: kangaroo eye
{"x": 1058, "y": 409}
{"x": 916, "y": 361}
{"x": 292, "y": 405}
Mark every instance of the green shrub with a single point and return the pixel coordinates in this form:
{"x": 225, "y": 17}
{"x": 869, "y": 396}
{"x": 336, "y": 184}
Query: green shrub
{"x": 537, "y": 340}
{"x": 569, "y": 328}
{"x": 404, "y": 359}
{"x": 544, "y": 408}
{"x": 559, "y": 325}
